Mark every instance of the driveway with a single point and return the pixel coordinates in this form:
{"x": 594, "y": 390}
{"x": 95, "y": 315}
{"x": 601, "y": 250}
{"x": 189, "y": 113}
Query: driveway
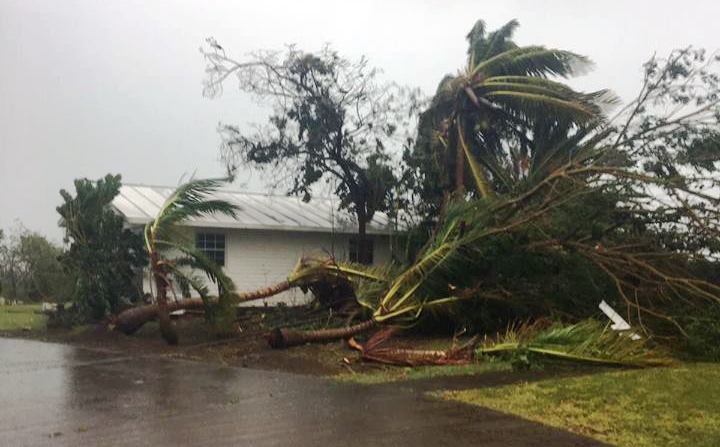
{"x": 52, "y": 394}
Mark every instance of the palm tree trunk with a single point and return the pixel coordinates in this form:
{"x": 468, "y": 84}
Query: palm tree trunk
{"x": 273, "y": 290}
{"x": 284, "y": 338}
{"x": 459, "y": 170}
{"x": 167, "y": 329}
{"x": 373, "y": 351}
{"x": 129, "y": 321}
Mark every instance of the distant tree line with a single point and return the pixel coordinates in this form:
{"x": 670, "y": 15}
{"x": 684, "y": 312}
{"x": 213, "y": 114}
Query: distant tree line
{"x": 30, "y": 268}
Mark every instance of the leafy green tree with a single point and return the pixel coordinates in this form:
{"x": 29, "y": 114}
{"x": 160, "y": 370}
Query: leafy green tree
{"x": 45, "y": 276}
{"x": 10, "y": 268}
{"x": 103, "y": 254}
{"x": 332, "y": 121}
{"x": 30, "y": 269}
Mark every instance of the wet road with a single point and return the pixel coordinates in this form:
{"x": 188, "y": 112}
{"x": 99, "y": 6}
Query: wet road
{"x": 58, "y": 395}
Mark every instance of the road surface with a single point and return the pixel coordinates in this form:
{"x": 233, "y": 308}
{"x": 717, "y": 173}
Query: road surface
{"x": 58, "y": 395}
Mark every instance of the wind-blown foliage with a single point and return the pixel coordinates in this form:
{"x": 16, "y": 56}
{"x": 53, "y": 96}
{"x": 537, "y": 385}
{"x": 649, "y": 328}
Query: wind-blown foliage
{"x": 623, "y": 209}
{"x": 497, "y": 115}
{"x": 585, "y": 342}
{"x": 174, "y": 260}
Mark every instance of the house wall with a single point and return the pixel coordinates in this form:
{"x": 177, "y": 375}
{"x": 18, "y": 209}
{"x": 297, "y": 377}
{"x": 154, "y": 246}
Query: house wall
{"x": 257, "y": 258}
{"x": 260, "y": 258}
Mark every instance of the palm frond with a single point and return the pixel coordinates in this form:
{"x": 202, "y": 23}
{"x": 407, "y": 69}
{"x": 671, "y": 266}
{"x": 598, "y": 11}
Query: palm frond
{"x": 192, "y": 199}
{"x": 533, "y": 105}
{"x": 481, "y": 182}
{"x": 533, "y": 61}
{"x": 312, "y": 268}
{"x": 196, "y": 259}
{"x": 482, "y": 46}
{"x": 586, "y": 342}
{"x": 499, "y": 41}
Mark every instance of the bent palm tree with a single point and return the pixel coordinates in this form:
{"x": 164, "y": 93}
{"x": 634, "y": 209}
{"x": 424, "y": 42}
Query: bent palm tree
{"x": 503, "y": 96}
{"x": 173, "y": 256}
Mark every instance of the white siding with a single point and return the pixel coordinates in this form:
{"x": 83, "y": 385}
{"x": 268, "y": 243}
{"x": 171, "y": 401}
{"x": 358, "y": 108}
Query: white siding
{"x": 260, "y": 258}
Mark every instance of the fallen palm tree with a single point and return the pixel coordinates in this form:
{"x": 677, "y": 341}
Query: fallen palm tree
{"x": 317, "y": 274}
{"x": 374, "y": 351}
{"x": 586, "y": 342}
{"x": 284, "y": 337}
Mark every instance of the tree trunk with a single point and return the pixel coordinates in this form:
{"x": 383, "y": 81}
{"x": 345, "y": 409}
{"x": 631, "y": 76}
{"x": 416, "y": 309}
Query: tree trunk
{"x": 129, "y": 321}
{"x": 167, "y": 328}
{"x": 373, "y": 351}
{"x": 284, "y": 338}
{"x": 363, "y": 241}
{"x": 459, "y": 170}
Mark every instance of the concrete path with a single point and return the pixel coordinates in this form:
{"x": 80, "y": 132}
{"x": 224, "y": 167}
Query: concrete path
{"x": 59, "y": 395}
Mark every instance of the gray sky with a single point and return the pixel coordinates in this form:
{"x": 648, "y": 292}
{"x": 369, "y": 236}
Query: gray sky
{"x": 91, "y": 87}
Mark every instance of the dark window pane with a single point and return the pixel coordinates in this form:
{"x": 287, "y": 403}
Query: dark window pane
{"x": 212, "y": 245}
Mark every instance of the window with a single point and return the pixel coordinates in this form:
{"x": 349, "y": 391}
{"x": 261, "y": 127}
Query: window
{"x": 353, "y": 253}
{"x": 212, "y": 245}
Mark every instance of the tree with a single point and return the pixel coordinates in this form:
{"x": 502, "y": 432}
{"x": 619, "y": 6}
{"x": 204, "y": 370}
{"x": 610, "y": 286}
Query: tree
{"x": 46, "y": 279}
{"x": 174, "y": 259}
{"x": 10, "y": 269}
{"x": 624, "y": 209}
{"x": 331, "y": 121}
{"x": 629, "y": 204}
{"x": 103, "y": 254}
{"x": 30, "y": 268}
{"x": 496, "y": 116}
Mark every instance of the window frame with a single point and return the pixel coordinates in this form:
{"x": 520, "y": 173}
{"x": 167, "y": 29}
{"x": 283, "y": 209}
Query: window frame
{"x": 212, "y": 252}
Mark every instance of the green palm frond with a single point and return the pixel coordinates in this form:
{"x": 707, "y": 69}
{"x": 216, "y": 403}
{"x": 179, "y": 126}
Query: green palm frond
{"x": 196, "y": 259}
{"x": 533, "y": 61}
{"x": 482, "y": 46}
{"x": 586, "y": 342}
{"x": 191, "y": 199}
{"x": 481, "y": 182}
{"x": 499, "y": 41}
{"x": 311, "y": 268}
{"x": 531, "y": 104}
{"x": 192, "y": 280}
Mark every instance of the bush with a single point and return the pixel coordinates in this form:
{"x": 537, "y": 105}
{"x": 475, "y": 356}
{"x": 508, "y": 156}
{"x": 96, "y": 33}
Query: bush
{"x": 103, "y": 254}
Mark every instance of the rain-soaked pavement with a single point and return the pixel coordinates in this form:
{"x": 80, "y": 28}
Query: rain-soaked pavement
{"x": 53, "y": 394}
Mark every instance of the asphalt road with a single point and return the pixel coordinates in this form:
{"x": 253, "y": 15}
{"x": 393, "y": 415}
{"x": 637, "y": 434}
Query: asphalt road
{"x": 59, "y": 395}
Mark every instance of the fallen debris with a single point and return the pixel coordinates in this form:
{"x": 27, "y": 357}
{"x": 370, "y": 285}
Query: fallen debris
{"x": 373, "y": 352}
{"x": 280, "y": 338}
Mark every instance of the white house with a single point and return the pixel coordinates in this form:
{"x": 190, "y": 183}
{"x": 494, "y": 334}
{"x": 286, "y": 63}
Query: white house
{"x": 261, "y": 246}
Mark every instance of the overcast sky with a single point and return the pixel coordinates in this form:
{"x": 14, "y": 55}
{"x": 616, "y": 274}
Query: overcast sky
{"x": 91, "y": 87}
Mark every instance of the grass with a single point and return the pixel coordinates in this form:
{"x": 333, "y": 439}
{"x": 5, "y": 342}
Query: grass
{"x": 389, "y": 374}
{"x": 22, "y": 317}
{"x": 649, "y": 407}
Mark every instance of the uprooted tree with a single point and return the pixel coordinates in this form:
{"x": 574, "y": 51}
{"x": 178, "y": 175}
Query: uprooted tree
{"x": 623, "y": 208}
{"x": 563, "y": 206}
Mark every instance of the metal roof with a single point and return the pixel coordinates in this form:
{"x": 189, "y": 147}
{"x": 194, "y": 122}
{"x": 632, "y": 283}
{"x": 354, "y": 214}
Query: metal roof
{"x": 140, "y": 203}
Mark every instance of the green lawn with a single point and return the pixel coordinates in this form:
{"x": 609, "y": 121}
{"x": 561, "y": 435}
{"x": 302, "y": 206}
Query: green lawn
{"x": 22, "y": 317}
{"x": 651, "y": 407}
{"x": 396, "y": 374}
